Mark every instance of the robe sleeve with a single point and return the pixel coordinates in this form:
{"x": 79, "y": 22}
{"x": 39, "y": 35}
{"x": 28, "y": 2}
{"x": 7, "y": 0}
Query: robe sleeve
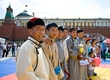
{"x": 24, "y": 70}
{"x": 72, "y": 53}
{"x": 85, "y": 50}
{"x": 65, "y": 64}
{"x": 65, "y": 51}
{"x": 46, "y": 50}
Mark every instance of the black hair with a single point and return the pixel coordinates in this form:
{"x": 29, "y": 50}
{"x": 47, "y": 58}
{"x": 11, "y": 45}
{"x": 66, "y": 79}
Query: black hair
{"x": 90, "y": 53}
{"x": 72, "y": 29}
{"x": 35, "y": 21}
{"x": 51, "y": 25}
{"x": 65, "y": 29}
{"x": 93, "y": 41}
{"x": 60, "y": 28}
{"x": 78, "y": 31}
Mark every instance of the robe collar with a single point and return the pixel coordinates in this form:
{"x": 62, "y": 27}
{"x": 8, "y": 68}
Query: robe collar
{"x": 80, "y": 38}
{"x": 57, "y": 39}
{"x": 73, "y": 39}
{"x": 52, "y": 40}
{"x": 34, "y": 40}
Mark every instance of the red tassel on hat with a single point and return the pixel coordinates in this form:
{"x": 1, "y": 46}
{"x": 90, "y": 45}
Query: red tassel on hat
{"x": 33, "y": 20}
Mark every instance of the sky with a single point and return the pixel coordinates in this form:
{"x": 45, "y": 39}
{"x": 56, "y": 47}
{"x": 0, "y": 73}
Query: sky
{"x": 59, "y": 8}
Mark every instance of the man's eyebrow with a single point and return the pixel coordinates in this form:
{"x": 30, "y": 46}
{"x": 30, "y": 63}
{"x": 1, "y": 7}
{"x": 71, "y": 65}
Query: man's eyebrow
{"x": 38, "y": 27}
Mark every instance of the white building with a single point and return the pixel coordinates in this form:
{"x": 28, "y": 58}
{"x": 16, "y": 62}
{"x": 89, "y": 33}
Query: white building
{"x": 67, "y": 22}
{"x": 22, "y": 18}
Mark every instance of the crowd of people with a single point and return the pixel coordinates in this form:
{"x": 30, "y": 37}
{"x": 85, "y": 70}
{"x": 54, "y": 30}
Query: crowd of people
{"x": 53, "y": 53}
{"x": 8, "y": 47}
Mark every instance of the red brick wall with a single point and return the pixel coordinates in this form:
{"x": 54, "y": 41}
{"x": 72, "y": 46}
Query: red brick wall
{"x": 12, "y": 32}
{"x": 0, "y": 31}
{"x": 105, "y": 31}
{"x": 20, "y": 33}
{"x": 7, "y": 31}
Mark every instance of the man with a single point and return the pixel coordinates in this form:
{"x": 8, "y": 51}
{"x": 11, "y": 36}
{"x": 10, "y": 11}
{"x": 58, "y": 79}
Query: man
{"x": 13, "y": 50}
{"x": 60, "y": 45}
{"x": 83, "y": 69}
{"x": 52, "y": 50}
{"x": 61, "y": 54}
{"x": 73, "y": 62}
{"x": 65, "y": 33}
{"x": 64, "y": 37}
{"x": 1, "y": 50}
{"x": 5, "y": 50}
{"x": 32, "y": 63}
{"x": 104, "y": 48}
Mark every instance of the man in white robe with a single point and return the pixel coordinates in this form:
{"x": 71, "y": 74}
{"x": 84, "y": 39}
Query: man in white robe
{"x": 32, "y": 63}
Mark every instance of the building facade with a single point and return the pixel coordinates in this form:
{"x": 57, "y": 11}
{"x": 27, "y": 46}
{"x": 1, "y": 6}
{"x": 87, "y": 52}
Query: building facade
{"x": 14, "y": 28}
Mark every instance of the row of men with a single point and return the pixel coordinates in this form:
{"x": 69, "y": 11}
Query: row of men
{"x": 51, "y": 57}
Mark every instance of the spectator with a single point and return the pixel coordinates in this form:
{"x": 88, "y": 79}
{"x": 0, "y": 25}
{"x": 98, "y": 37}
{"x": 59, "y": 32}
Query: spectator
{"x": 1, "y": 50}
{"x": 91, "y": 65}
{"x": 103, "y": 47}
{"x": 13, "y": 50}
{"x": 5, "y": 50}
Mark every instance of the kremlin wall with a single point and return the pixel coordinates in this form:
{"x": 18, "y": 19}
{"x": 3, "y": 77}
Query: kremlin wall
{"x": 14, "y": 28}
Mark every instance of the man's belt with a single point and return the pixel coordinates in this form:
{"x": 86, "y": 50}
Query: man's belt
{"x": 72, "y": 57}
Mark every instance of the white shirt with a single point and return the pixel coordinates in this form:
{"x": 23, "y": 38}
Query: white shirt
{"x": 91, "y": 66}
{"x": 4, "y": 47}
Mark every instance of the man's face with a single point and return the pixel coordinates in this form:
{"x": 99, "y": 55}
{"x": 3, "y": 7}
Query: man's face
{"x": 37, "y": 32}
{"x": 52, "y": 32}
{"x": 81, "y": 34}
{"x": 60, "y": 34}
{"x": 73, "y": 34}
{"x": 65, "y": 34}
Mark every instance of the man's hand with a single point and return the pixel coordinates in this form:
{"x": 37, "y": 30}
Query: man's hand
{"x": 61, "y": 64}
{"x": 79, "y": 53}
{"x": 47, "y": 41}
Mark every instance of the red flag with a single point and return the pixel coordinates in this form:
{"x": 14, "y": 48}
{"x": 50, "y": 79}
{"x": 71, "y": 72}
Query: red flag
{"x": 26, "y": 5}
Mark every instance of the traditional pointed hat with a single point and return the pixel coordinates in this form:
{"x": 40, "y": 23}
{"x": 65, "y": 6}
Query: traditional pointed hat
{"x": 79, "y": 30}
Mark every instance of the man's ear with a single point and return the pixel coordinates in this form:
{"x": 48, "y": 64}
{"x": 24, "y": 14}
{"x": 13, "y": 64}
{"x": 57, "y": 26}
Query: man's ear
{"x": 46, "y": 31}
{"x": 30, "y": 31}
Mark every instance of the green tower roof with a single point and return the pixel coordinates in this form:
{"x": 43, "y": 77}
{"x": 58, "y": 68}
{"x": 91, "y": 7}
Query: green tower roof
{"x": 9, "y": 13}
{"x": 9, "y": 6}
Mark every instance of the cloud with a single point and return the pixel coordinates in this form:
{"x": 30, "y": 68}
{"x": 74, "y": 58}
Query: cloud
{"x": 107, "y": 11}
{"x": 89, "y": 11}
{"x": 94, "y": 6}
{"x": 16, "y": 5}
{"x": 43, "y": 8}
{"x": 53, "y": 8}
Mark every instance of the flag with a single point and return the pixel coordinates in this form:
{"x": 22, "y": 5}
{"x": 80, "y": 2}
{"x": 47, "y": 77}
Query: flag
{"x": 26, "y": 5}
